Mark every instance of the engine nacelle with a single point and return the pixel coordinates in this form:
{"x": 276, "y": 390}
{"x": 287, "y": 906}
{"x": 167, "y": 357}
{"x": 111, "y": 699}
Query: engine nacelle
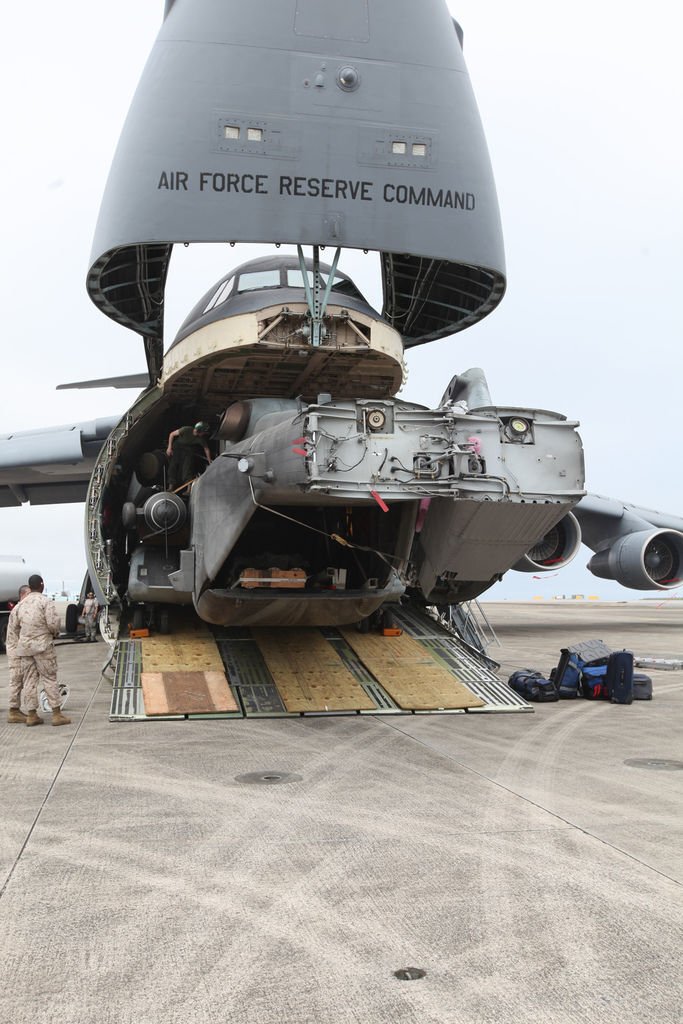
{"x": 555, "y": 549}
{"x": 647, "y": 560}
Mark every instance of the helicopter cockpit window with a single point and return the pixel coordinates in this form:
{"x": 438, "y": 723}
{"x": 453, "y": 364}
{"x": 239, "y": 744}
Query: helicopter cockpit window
{"x": 258, "y": 279}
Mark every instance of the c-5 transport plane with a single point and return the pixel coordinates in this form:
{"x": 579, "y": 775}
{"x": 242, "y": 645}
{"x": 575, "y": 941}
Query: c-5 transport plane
{"x": 322, "y": 126}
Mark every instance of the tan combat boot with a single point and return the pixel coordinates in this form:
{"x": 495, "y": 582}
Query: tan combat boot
{"x": 58, "y": 718}
{"x": 33, "y": 718}
{"x": 16, "y": 717}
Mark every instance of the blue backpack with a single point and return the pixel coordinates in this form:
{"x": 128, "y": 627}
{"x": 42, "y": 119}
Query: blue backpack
{"x": 571, "y": 669}
{"x": 594, "y": 681}
{"x": 567, "y": 676}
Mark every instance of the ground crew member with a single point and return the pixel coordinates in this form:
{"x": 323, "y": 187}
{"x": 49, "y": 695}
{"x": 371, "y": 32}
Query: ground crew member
{"x": 183, "y": 448}
{"x": 16, "y": 716}
{"x": 36, "y": 626}
{"x": 90, "y": 610}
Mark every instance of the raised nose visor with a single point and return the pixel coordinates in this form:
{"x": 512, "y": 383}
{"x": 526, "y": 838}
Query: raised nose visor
{"x": 253, "y": 124}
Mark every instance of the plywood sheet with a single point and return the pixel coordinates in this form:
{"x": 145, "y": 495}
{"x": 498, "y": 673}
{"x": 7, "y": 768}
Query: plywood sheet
{"x": 186, "y": 693}
{"x": 308, "y": 672}
{"x": 407, "y": 671}
{"x": 185, "y": 651}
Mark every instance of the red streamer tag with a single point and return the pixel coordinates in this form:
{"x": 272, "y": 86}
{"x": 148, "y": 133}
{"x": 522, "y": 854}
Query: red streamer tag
{"x": 299, "y": 451}
{"x": 382, "y": 504}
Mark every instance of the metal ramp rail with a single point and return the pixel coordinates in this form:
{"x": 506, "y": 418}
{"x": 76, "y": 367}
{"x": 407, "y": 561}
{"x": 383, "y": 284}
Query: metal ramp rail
{"x": 471, "y": 622}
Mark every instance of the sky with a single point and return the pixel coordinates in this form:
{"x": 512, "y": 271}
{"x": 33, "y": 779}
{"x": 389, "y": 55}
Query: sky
{"x": 581, "y": 107}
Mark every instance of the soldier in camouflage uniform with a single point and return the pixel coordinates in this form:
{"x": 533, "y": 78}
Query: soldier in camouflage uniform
{"x": 36, "y": 626}
{"x": 16, "y": 681}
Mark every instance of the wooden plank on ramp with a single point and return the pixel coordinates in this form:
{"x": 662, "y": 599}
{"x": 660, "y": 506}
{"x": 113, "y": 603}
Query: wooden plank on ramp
{"x": 186, "y": 693}
{"x": 406, "y": 670}
{"x": 308, "y": 672}
{"x": 184, "y": 651}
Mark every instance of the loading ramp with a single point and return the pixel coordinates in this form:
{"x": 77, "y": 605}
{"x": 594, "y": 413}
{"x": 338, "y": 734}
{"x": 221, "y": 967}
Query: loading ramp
{"x": 202, "y": 672}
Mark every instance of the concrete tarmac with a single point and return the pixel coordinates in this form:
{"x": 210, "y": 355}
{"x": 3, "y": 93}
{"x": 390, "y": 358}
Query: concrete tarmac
{"x": 517, "y": 859}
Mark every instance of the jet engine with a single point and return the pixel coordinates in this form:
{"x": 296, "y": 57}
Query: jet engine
{"x": 555, "y": 549}
{"x": 646, "y": 560}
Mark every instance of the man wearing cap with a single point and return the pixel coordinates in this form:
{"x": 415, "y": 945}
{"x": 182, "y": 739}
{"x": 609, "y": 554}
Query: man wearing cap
{"x": 33, "y": 633}
{"x": 183, "y": 449}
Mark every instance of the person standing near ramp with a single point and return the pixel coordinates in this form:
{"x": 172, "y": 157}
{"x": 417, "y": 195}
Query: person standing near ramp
{"x": 16, "y": 681}
{"x": 90, "y": 610}
{"x": 36, "y": 626}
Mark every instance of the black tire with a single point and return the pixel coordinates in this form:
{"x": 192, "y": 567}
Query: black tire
{"x": 138, "y": 620}
{"x": 3, "y": 633}
{"x": 364, "y": 625}
{"x": 71, "y": 619}
{"x": 164, "y": 621}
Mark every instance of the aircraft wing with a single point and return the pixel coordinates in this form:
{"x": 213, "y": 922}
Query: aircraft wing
{"x": 640, "y": 548}
{"x": 50, "y": 465}
{"x": 129, "y": 380}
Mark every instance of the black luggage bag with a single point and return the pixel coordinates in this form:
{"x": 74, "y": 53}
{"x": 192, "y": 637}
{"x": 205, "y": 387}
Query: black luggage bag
{"x": 619, "y": 677}
{"x": 531, "y": 685}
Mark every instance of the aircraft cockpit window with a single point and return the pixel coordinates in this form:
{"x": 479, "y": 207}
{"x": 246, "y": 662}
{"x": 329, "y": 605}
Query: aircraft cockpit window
{"x": 220, "y": 294}
{"x": 258, "y": 279}
{"x": 295, "y": 279}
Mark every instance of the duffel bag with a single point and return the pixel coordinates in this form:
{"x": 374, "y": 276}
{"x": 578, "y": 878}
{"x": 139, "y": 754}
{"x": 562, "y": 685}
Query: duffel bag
{"x": 531, "y": 685}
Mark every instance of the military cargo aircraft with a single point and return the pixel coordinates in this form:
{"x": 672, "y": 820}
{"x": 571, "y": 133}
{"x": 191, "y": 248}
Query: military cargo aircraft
{"x": 323, "y": 126}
